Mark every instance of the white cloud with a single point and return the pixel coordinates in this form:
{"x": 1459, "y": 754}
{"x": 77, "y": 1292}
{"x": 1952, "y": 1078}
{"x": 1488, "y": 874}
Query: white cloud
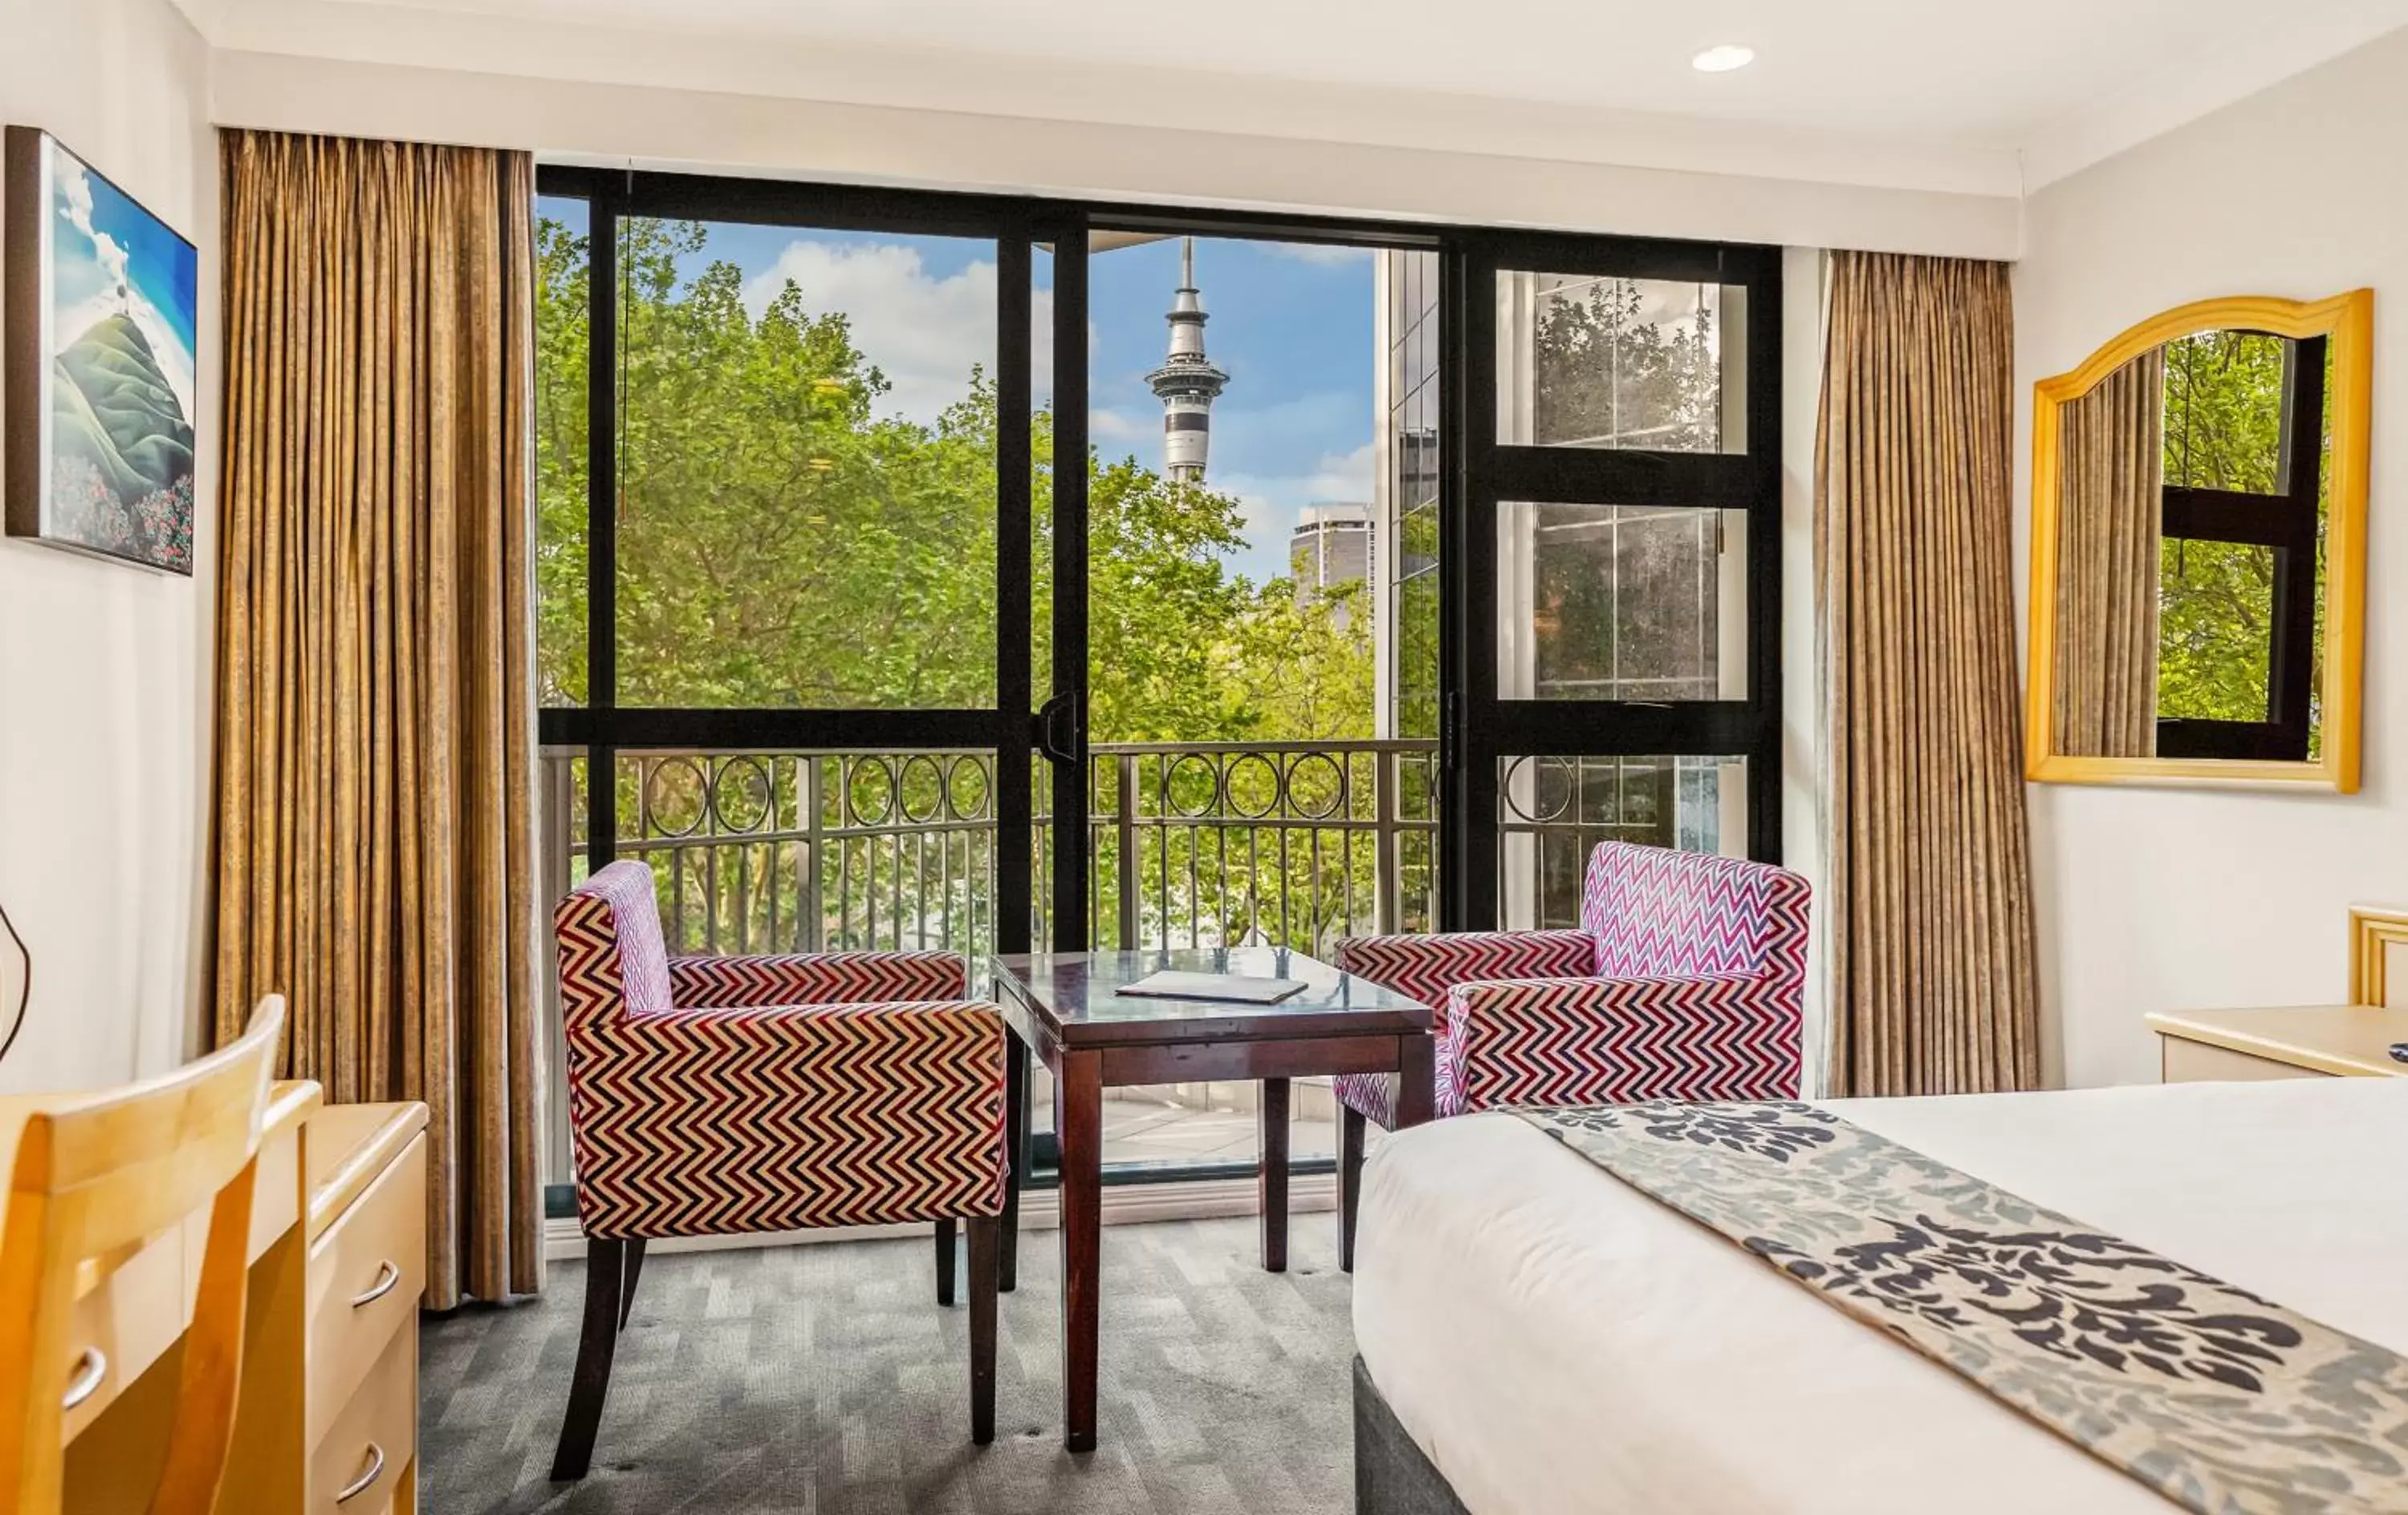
{"x": 1106, "y": 425}
{"x": 89, "y": 290}
{"x": 1323, "y": 253}
{"x": 1270, "y": 503}
{"x": 923, "y": 331}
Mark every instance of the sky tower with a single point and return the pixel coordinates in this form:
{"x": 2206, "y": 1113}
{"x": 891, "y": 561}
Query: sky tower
{"x": 1186, "y": 383}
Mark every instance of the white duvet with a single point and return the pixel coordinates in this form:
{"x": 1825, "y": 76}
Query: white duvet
{"x": 1557, "y": 1342}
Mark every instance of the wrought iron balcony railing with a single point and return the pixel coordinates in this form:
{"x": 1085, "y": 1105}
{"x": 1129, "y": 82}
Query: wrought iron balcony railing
{"x": 1191, "y": 844}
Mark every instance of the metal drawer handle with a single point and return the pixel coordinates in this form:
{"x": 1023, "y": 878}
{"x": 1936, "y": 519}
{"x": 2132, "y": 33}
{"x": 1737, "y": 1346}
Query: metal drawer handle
{"x": 91, "y": 1368}
{"x": 388, "y": 1276}
{"x": 360, "y": 1485}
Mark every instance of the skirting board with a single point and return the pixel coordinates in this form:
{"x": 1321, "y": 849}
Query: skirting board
{"x": 1040, "y": 1210}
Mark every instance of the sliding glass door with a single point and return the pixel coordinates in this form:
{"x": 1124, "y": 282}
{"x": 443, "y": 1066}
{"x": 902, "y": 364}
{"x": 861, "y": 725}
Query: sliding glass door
{"x": 785, "y": 557}
{"x": 985, "y": 572}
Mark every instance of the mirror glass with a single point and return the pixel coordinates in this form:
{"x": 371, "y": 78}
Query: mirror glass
{"x": 2192, "y": 509}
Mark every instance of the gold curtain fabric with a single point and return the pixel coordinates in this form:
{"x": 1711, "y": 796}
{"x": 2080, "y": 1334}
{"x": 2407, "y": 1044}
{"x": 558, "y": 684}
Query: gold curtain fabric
{"x": 373, "y": 847}
{"x": 2109, "y": 492}
{"x": 1933, "y": 987}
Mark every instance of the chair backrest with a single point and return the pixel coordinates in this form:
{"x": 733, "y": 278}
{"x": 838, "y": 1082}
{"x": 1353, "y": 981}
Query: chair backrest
{"x": 1658, "y": 913}
{"x": 96, "y": 1177}
{"x": 614, "y": 960}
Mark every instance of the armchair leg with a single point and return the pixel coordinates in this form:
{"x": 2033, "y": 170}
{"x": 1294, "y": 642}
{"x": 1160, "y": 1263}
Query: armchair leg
{"x": 1350, "y": 1181}
{"x": 595, "y": 1348}
{"x": 635, "y": 1271}
{"x": 945, "y": 1263}
{"x": 985, "y": 1275}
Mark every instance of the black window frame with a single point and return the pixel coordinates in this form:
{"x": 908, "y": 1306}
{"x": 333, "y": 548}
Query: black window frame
{"x": 1481, "y": 729}
{"x": 2289, "y": 524}
{"x": 1475, "y": 473}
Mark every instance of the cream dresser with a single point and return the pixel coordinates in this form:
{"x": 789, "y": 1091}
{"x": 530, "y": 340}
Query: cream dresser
{"x": 2307, "y": 1042}
{"x": 2351, "y": 1040}
{"x": 328, "y": 1420}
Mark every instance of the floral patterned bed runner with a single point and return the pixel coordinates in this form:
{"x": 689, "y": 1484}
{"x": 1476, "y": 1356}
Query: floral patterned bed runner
{"x": 2223, "y": 1402}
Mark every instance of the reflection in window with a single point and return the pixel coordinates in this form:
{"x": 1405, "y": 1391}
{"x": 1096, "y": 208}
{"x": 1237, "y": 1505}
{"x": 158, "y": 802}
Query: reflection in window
{"x": 1600, "y": 602}
{"x": 563, "y": 270}
{"x": 1619, "y": 363}
{"x": 1409, "y": 489}
{"x": 1553, "y": 811}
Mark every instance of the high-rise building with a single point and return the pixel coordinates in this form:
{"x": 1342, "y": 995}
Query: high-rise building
{"x": 1330, "y": 547}
{"x": 1186, "y": 383}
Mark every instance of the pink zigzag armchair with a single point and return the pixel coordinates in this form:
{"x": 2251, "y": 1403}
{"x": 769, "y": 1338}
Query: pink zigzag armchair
{"x": 1685, "y": 980}
{"x": 725, "y": 1095}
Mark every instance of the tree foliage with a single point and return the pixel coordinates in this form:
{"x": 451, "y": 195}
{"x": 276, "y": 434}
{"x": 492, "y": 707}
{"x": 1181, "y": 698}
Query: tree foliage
{"x": 2223, "y": 431}
{"x": 783, "y": 542}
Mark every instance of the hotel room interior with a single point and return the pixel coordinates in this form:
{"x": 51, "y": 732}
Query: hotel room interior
{"x": 1691, "y": 809}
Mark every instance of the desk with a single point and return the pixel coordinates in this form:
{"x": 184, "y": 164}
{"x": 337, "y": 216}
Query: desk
{"x": 1064, "y": 1008}
{"x": 330, "y": 1346}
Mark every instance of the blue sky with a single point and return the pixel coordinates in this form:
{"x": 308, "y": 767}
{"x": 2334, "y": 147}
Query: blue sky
{"x": 1292, "y": 325}
{"x": 111, "y": 257}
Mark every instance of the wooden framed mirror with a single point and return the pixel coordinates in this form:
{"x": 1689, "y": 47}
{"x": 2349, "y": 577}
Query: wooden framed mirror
{"x": 2198, "y": 550}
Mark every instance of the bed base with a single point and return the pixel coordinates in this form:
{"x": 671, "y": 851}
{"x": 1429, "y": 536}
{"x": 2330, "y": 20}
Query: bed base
{"x": 1392, "y": 1476}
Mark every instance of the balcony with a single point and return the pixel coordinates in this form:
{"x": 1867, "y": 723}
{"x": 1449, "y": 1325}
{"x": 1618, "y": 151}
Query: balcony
{"x": 1190, "y": 845}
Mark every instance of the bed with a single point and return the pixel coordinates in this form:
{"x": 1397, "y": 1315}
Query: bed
{"x": 1537, "y": 1337}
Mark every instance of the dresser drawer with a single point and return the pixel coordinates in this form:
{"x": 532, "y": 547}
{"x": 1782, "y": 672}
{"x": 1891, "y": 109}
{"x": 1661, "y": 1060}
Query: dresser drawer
{"x": 2198, "y": 1062}
{"x": 365, "y": 1275}
{"x": 365, "y": 1454}
{"x": 132, "y": 1311}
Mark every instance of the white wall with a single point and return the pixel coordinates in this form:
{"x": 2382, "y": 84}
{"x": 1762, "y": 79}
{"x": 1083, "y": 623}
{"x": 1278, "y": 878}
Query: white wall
{"x": 2159, "y": 899}
{"x": 103, "y": 668}
{"x": 1242, "y": 162}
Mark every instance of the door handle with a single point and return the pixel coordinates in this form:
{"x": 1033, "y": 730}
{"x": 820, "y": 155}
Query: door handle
{"x": 1059, "y": 735}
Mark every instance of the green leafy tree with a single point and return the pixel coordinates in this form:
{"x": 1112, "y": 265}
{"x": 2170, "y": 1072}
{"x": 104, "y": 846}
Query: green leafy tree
{"x": 2223, "y": 431}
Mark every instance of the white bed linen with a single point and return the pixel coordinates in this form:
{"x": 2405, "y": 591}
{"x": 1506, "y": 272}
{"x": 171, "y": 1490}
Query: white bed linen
{"x": 1557, "y": 1342}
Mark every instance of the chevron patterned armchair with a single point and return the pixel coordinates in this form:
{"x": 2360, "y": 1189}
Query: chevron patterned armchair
{"x": 725, "y": 1095}
{"x": 1685, "y": 980}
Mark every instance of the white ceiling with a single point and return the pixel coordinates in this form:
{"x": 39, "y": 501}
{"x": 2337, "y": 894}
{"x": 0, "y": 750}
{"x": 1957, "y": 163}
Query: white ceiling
{"x": 2054, "y": 83}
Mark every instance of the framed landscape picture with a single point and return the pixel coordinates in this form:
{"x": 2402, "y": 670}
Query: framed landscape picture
{"x": 99, "y": 369}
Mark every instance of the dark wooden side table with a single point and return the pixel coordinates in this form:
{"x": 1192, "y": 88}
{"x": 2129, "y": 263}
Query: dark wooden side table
{"x": 1064, "y": 1008}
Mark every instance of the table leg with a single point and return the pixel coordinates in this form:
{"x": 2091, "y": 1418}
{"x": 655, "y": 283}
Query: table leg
{"x": 1079, "y": 1085}
{"x": 1015, "y": 1147}
{"x": 1274, "y": 1174}
{"x": 1416, "y": 1079}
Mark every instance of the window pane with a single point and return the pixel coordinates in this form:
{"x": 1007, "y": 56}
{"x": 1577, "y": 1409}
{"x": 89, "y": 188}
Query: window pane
{"x": 2224, "y": 411}
{"x": 807, "y": 511}
{"x": 2216, "y": 617}
{"x": 1553, "y": 811}
{"x": 562, "y": 266}
{"x": 1601, "y": 601}
{"x": 1620, "y": 362}
{"x": 1408, "y": 488}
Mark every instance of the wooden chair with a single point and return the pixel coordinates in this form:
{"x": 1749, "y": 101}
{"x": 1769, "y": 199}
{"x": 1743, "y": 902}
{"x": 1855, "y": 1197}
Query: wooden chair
{"x": 92, "y": 1180}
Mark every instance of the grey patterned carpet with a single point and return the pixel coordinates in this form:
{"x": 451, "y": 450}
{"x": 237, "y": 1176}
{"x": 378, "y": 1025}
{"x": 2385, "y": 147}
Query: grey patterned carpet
{"x": 825, "y": 1380}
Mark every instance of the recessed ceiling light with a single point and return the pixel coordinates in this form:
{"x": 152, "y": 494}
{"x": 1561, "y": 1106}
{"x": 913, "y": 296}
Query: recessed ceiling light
{"x": 1722, "y": 60}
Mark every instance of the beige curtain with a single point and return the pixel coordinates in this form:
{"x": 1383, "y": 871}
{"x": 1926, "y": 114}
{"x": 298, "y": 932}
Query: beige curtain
{"x": 2112, "y": 447}
{"x": 372, "y": 852}
{"x": 1930, "y": 901}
